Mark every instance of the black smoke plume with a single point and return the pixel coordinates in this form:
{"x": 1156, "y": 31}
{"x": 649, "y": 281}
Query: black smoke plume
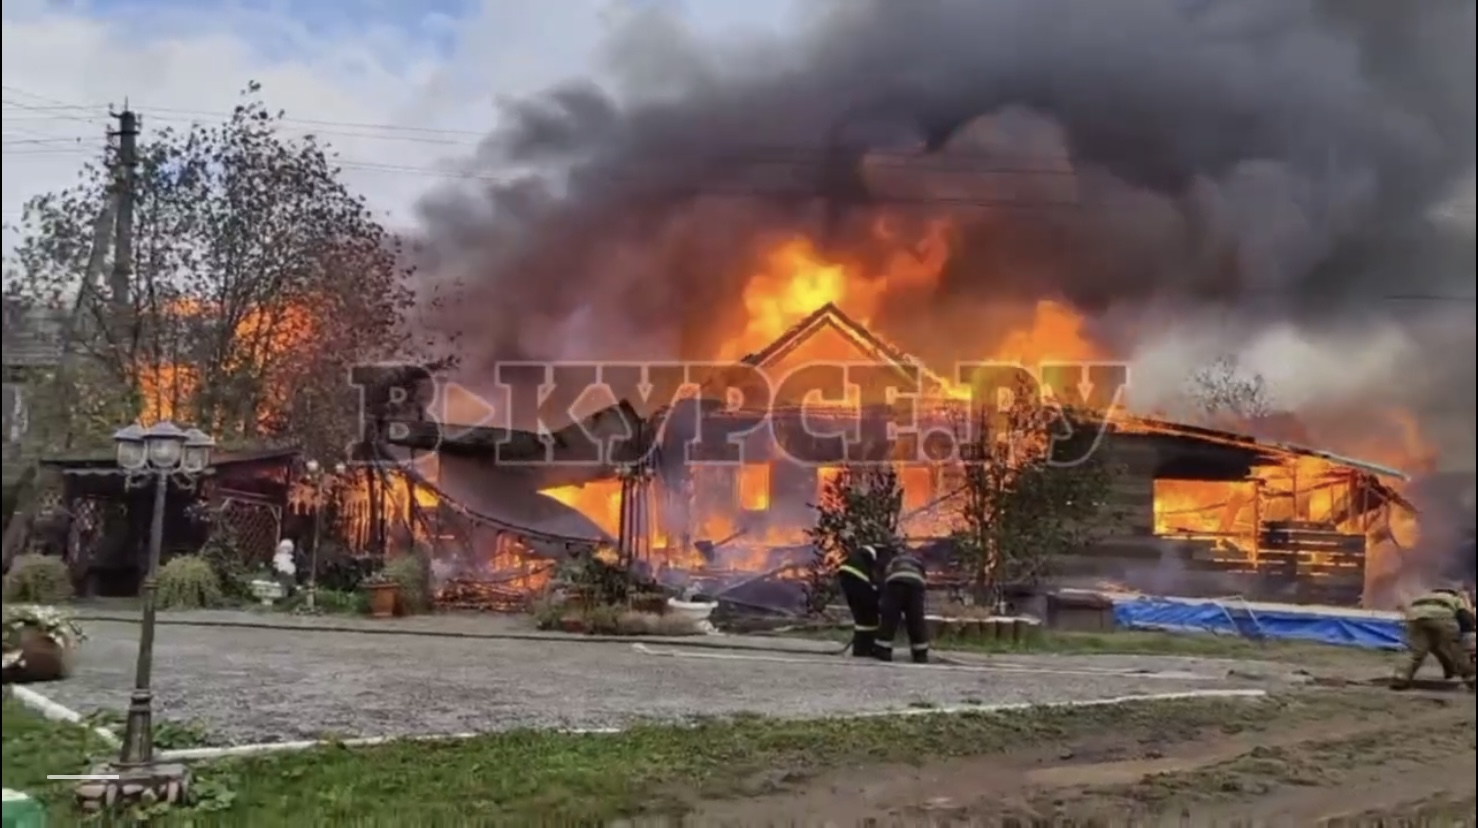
{"x": 1267, "y": 160}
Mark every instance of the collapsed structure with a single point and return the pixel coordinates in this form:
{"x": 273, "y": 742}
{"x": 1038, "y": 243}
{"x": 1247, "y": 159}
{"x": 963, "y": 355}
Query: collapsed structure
{"x": 1194, "y": 510}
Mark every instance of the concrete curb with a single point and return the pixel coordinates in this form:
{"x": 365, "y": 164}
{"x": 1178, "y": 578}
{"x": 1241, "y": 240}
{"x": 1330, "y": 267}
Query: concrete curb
{"x": 59, "y": 713}
{"x": 695, "y": 642}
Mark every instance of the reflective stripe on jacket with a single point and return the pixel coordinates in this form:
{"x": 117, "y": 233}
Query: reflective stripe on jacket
{"x": 860, "y": 563}
{"x": 1435, "y": 605}
{"x": 905, "y": 567}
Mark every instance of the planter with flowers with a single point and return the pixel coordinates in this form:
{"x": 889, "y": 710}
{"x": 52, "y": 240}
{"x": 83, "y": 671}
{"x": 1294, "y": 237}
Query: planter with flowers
{"x": 383, "y": 593}
{"x": 39, "y": 643}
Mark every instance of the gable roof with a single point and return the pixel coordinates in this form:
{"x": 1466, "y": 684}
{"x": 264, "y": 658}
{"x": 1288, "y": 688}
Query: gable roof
{"x": 829, "y": 316}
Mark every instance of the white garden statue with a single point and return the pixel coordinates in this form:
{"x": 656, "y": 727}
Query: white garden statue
{"x": 282, "y": 559}
{"x": 269, "y": 590}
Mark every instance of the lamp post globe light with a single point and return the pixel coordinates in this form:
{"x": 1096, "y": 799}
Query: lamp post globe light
{"x": 158, "y": 457}
{"x": 317, "y": 473}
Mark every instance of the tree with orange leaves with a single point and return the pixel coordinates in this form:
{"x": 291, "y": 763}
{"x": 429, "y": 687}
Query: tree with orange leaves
{"x": 259, "y": 278}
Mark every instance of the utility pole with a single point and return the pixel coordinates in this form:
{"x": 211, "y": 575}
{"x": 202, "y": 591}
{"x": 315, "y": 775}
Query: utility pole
{"x": 124, "y": 336}
{"x": 128, "y": 134}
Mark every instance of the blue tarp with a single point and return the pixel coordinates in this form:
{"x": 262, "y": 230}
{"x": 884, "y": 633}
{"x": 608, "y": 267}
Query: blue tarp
{"x": 1259, "y": 622}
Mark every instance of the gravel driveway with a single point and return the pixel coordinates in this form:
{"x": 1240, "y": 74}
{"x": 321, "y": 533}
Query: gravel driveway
{"x": 254, "y": 685}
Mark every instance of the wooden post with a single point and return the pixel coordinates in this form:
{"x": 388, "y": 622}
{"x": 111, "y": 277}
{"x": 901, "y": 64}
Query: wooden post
{"x": 623, "y": 513}
{"x": 1256, "y": 524}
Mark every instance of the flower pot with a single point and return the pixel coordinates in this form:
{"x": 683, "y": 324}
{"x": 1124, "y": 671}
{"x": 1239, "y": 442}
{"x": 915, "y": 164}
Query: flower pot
{"x": 267, "y": 592}
{"x": 382, "y": 599}
{"x": 42, "y": 659}
{"x": 695, "y": 611}
{"x": 577, "y": 600}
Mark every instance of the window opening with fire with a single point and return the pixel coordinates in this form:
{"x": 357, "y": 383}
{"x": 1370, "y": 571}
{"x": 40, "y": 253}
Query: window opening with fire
{"x": 754, "y": 487}
{"x": 918, "y": 486}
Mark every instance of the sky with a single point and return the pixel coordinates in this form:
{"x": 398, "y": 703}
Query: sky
{"x": 401, "y": 89}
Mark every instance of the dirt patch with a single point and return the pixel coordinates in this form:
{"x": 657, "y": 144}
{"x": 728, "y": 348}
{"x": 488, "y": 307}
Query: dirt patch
{"x": 1321, "y": 756}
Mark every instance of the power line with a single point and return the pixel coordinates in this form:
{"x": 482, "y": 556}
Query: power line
{"x": 62, "y": 139}
{"x": 801, "y": 192}
{"x": 795, "y": 158}
{"x": 753, "y": 154}
{"x": 39, "y": 108}
{"x": 756, "y": 155}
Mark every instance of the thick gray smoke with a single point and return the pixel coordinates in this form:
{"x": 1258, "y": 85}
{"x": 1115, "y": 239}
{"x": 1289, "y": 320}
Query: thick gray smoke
{"x": 1267, "y": 161}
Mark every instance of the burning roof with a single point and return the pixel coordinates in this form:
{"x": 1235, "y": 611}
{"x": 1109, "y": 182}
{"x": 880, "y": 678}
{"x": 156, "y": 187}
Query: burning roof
{"x": 622, "y": 419}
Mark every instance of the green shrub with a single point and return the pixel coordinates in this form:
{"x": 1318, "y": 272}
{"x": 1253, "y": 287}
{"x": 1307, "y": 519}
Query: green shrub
{"x": 222, "y": 552}
{"x": 334, "y": 601}
{"x": 409, "y": 572}
{"x": 547, "y": 614}
{"x": 37, "y": 579}
{"x": 603, "y": 620}
{"x": 189, "y": 582}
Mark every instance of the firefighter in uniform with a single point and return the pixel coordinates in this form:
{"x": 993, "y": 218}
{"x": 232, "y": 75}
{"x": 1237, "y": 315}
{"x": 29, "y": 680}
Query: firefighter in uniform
{"x": 1439, "y": 623}
{"x": 859, "y": 582}
{"x": 904, "y": 587}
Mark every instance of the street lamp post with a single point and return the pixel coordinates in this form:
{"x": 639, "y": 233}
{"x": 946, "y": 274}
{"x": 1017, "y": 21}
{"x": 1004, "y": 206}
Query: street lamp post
{"x": 159, "y": 456}
{"x": 316, "y": 472}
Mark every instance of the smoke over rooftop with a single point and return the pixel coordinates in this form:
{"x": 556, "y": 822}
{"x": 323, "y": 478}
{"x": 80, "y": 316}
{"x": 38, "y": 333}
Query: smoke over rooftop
{"x": 1269, "y": 165}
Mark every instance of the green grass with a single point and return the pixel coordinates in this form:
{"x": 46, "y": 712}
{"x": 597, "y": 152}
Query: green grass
{"x": 539, "y": 777}
{"x": 33, "y": 747}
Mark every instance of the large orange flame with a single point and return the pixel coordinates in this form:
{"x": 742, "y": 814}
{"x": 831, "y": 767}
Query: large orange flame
{"x": 265, "y": 341}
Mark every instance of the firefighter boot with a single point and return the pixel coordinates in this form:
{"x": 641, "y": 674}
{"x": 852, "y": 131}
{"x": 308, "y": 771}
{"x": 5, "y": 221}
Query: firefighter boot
{"x": 920, "y": 656}
{"x": 863, "y": 643}
{"x": 882, "y": 653}
{"x": 1403, "y": 678}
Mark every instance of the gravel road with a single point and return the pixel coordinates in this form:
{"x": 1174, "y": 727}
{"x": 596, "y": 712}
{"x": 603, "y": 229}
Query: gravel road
{"x": 254, "y": 685}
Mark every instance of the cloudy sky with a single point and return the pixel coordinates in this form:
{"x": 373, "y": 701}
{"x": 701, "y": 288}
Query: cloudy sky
{"x": 401, "y": 89}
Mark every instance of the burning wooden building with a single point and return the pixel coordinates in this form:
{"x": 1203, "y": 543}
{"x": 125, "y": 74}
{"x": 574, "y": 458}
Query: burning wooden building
{"x": 1196, "y": 510}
